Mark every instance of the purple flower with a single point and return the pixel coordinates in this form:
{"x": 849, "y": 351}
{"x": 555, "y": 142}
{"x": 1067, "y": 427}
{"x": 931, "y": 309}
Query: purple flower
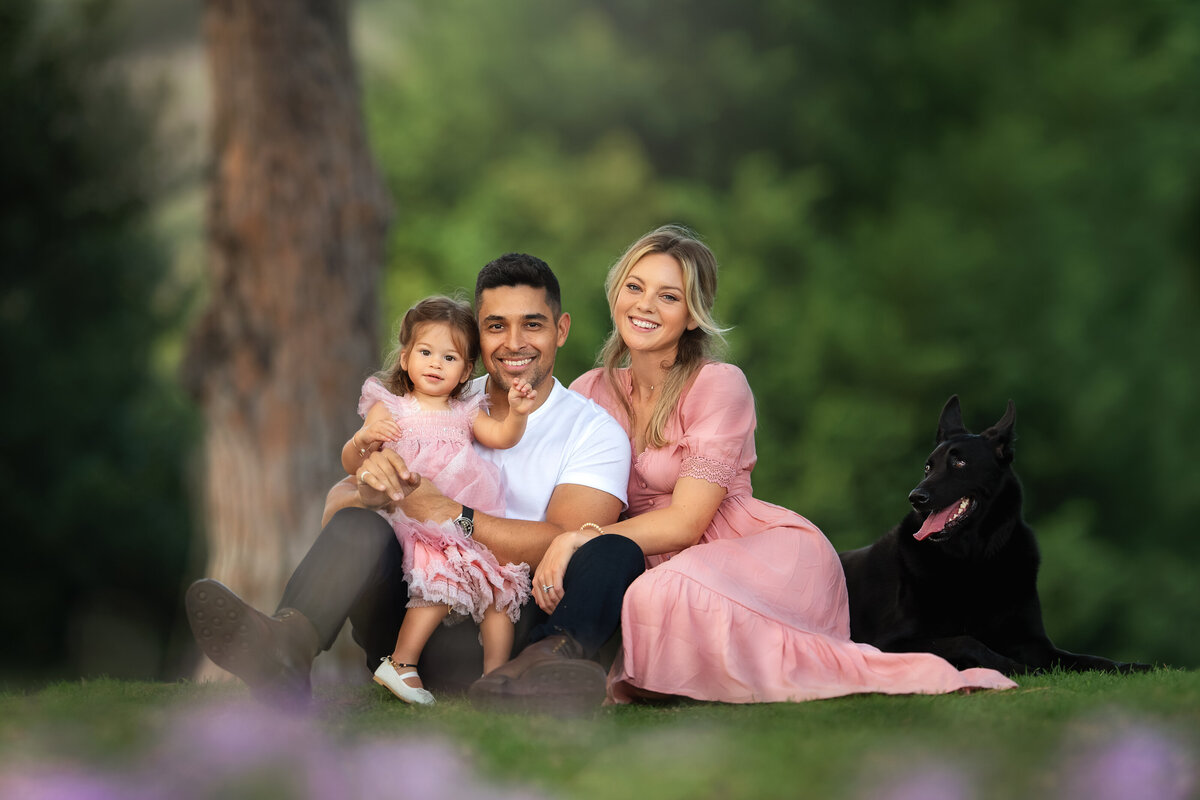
{"x": 251, "y": 751}
{"x": 44, "y": 782}
{"x": 421, "y": 769}
{"x": 209, "y": 751}
{"x": 928, "y": 782}
{"x": 1131, "y": 761}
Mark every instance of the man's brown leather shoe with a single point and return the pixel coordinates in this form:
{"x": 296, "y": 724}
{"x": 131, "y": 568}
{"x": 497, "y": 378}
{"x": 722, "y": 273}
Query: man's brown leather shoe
{"x": 272, "y": 655}
{"x": 549, "y": 676}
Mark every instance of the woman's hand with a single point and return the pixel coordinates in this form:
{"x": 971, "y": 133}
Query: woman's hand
{"x": 553, "y": 566}
{"x": 384, "y": 478}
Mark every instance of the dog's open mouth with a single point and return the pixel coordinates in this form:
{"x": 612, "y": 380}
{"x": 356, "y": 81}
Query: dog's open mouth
{"x": 940, "y": 524}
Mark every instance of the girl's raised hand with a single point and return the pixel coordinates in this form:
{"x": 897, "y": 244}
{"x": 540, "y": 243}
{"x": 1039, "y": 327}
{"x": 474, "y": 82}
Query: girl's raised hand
{"x": 521, "y": 397}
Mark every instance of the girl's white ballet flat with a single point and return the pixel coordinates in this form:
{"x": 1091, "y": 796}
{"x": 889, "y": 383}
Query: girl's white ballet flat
{"x": 389, "y": 677}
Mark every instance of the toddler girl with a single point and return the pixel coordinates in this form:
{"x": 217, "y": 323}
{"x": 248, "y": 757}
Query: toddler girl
{"x": 416, "y": 408}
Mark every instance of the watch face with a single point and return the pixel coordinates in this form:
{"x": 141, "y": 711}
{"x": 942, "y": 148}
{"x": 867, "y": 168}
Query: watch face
{"x": 465, "y": 525}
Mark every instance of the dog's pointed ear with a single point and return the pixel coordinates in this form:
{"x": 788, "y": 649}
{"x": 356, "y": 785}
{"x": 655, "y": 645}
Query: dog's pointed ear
{"x": 1001, "y": 434}
{"x": 950, "y": 422}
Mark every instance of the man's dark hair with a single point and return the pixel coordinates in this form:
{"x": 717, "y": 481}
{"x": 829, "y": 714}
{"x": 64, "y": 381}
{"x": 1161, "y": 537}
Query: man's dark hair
{"x": 519, "y": 269}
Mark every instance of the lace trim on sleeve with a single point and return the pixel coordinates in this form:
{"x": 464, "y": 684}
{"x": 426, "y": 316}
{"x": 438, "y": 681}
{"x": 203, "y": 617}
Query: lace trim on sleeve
{"x": 375, "y": 392}
{"x": 706, "y": 469}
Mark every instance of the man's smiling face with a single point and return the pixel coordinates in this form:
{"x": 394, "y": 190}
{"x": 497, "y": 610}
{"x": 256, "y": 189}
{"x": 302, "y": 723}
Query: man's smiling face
{"x": 519, "y": 337}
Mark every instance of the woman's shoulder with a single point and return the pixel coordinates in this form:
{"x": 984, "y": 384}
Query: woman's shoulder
{"x": 586, "y": 383}
{"x": 718, "y": 404}
{"x": 718, "y": 376}
{"x": 594, "y": 386}
{"x": 714, "y": 387}
{"x": 722, "y": 369}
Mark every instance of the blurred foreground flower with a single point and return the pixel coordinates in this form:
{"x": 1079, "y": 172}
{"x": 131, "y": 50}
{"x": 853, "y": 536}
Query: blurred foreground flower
{"x": 1130, "y": 760}
{"x": 926, "y": 782}
{"x": 248, "y": 751}
{"x": 1103, "y": 757}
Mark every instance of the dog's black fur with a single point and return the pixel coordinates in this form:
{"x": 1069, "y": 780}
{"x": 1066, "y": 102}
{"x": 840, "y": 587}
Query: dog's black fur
{"x": 968, "y": 592}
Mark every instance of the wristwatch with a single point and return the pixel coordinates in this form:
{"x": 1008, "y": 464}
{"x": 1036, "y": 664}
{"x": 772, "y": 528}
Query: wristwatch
{"x": 466, "y": 522}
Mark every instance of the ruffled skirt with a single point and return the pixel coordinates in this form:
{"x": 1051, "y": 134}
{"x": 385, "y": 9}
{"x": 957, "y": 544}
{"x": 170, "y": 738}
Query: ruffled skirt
{"x": 443, "y": 567}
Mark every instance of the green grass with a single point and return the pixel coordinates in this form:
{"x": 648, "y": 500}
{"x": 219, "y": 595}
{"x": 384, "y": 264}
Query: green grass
{"x": 1029, "y": 742}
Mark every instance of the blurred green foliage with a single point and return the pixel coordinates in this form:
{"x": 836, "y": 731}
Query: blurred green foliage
{"x": 909, "y": 201}
{"x": 94, "y": 437}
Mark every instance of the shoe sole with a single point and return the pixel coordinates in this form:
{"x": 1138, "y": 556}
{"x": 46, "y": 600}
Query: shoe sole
{"x": 218, "y": 618}
{"x": 559, "y": 688}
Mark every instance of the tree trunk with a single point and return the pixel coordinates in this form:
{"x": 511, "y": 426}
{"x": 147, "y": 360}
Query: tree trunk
{"x": 297, "y": 222}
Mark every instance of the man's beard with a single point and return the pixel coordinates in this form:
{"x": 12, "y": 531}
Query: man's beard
{"x": 541, "y": 373}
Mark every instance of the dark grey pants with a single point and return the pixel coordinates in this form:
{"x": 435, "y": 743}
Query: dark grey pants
{"x": 353, "y": 572}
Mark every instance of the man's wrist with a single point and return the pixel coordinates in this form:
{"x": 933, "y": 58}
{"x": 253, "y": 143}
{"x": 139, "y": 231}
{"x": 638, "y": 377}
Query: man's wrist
{"x": 384, "y": 504}
{"x": 466, "y": 521}
{"x": 379, "y": 501}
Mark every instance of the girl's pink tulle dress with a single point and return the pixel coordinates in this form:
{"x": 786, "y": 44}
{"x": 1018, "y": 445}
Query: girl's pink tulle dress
{"x": 757, "y": 611}
{"x": 440, "y": 565}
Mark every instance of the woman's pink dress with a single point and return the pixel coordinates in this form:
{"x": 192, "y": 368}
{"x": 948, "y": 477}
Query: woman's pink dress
{"x": 757, "y": 611}
{"x": 440, "y": 565}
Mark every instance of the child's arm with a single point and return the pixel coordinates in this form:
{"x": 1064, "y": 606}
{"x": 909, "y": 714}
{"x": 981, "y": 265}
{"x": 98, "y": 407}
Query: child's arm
{"x": 378, "y": 427}
{"x": 505, "y": 433}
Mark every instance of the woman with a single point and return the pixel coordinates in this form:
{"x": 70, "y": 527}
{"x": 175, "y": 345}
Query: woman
{"x": 744, "y": 601}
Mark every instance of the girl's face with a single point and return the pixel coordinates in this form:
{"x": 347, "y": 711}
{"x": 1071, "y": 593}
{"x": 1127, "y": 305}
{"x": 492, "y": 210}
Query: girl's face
{"x": 434, "y": 360}
{"x": 651, "y": 311}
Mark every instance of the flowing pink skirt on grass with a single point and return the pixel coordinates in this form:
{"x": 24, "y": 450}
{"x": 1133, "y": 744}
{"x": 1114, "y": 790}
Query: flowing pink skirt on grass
{"x": 762, "y": 618}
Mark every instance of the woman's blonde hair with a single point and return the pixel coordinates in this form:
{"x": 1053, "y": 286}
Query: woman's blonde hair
{"x": 697, "y": 346}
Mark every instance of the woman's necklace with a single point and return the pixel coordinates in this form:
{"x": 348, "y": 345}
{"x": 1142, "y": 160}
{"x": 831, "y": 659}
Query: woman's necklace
{"x": 642, "y": 399}
{"x": 633, "y": 386}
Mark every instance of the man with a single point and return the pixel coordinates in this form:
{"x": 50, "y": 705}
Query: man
{"x": 570, "y": 468}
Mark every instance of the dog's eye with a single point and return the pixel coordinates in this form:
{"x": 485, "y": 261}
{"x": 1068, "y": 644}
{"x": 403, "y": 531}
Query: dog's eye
{"x": 928, "y": 467}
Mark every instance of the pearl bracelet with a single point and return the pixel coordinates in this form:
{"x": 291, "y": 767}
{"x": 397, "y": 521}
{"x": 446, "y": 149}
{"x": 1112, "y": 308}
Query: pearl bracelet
{"x": 599, "y": 530}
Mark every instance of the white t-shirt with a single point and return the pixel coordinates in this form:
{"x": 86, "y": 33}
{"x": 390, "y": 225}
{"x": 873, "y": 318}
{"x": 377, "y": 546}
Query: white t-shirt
{"x": 568, "y": 439}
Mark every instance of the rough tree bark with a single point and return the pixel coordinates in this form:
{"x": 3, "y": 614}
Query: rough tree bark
{"x": 297, "y": 220}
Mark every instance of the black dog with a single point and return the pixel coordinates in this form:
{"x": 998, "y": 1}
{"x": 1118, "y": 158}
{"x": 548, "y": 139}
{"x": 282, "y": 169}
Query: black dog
{"x": 958, "y": 576}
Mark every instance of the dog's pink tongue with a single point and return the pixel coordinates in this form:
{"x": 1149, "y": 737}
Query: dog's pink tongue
{"x": 935, "y": 522}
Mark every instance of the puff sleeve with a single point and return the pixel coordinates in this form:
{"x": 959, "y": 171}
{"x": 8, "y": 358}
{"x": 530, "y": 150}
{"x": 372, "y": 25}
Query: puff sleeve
{"x": 717, "y": 420}
{"x": 374, "y": 392}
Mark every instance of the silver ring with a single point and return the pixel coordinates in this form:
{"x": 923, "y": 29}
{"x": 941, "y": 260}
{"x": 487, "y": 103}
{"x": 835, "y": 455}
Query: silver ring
{"x": 362, "y": 478}
{"x": 547, "y": 588}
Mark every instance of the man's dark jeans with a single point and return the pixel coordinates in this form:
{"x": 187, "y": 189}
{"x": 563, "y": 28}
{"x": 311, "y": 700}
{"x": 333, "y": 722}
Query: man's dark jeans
{"x": 353, "y": 572}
